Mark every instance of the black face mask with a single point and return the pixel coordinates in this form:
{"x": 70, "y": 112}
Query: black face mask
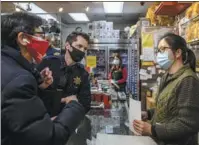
{"x": 76, "y": 54}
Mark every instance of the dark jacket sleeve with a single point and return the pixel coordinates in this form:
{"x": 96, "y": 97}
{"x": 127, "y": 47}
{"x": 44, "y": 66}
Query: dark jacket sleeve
{"x": 84, "y": 95}
{"x": 26, "y": 117}
{"x": 188, "y": 116}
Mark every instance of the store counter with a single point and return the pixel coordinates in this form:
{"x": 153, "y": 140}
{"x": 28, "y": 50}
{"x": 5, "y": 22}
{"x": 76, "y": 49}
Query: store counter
{"x": 104, "y": 139}
{"x": 108, "y": 121}
{"x": 103, "y": 119}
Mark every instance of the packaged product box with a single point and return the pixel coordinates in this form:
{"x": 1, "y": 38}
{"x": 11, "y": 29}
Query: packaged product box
{"x": 96, "y": 25}
{"x": 102, "y": 25}
{"x": 91, "y": 34}
{"x": 97, "y": 33}
{"x": 109, "y": 26}
{"x": 103, "y": 34}
{"x": 90, "y": 27}
{"x": 116, "y": 34}
{"x": 109, "y": 34}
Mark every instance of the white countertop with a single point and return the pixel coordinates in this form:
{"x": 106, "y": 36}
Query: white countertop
{"x": 108, "y": 139}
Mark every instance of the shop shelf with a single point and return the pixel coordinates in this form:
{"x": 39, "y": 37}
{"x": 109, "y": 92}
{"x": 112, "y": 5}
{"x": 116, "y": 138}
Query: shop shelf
{"x": 194, "y": 42}
{"x": 196, "y": 18}
{"x": 171, "y": 8}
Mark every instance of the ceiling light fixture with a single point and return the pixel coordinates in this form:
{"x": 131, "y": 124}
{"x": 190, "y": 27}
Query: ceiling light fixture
{"x": 87, "y": 9}
{"x": 17, "y": 9}
{"x": 113, "y": 7}
{"x": 79, "y": 16}
{"x": 35, "y": 9}
{"x": 61, "y": 9}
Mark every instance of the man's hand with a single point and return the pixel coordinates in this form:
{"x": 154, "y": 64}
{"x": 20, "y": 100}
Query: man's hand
{"x": 46, "y": 74}
{"x": 143, "y": 128}
{"x": 53, "y": 118}
{"x": 68, "y": 99}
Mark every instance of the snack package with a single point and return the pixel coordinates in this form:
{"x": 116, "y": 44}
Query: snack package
{"x": 151, "y": 13}
{"x": 197, "y": 30}
{"x": 188, "y": 33}
{"x": 188, "y": 13}
{"x": 195, "y": 11}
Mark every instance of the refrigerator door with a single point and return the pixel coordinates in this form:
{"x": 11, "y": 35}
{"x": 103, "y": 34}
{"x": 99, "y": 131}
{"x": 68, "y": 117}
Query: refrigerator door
{"x": 101, "y": 69}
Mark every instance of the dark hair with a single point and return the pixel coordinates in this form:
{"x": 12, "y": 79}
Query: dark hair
{"x": 73, "y": 37}
{"x": 12, "y": 24}
{"x": 177, "y": 42}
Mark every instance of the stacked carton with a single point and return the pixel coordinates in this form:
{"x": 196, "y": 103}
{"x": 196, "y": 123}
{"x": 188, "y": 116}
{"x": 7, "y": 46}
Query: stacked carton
{"x": 102, "y": 30}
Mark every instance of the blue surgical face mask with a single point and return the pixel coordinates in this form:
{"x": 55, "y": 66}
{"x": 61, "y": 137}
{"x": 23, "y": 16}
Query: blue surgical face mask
{"x": 164, "y": 61}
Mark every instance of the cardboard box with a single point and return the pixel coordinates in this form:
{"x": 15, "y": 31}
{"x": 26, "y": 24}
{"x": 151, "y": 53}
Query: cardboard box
{"x": 109, "y": 26}
{"x": 116, "y": 34}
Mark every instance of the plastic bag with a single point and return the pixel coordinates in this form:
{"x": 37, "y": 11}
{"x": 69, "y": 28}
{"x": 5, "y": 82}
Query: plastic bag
{"x": 195, "y": 11}
{"x": 188, "y": 13}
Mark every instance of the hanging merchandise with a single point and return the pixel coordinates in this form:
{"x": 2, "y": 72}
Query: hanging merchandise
{"x": 195, "y": 9}
{"x": 192, "y": 32}
{"x": 192, "y": 11}
{"x": 151, "y": 13}
{"x": 132, "y": 30}
{"x": 159, "y": 20}
{"x": 165, "y": 20}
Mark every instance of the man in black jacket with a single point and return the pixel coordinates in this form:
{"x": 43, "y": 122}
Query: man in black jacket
{"x": 24, "y": 118}
{"x": 70, "y": 77}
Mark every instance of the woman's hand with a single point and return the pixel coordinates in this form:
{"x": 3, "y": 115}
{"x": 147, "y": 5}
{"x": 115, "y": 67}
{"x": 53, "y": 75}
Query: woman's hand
{"x": 112, "y": 68}
{"x": 144, "y": 115}
{"x": 141, "y": 127}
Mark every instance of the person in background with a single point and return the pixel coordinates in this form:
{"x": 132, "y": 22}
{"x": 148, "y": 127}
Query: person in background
{"x": 175, "y": 119}
{"x": 52, "y": 50}
{"x": 70, "y": 77}
{"x": 24, "y": 118}
{"x": 118, "y": 73}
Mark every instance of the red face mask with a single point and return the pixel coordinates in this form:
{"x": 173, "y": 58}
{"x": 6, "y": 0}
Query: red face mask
{"x": 37, "y": 48}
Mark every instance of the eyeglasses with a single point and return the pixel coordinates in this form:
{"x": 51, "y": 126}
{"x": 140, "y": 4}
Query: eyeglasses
{"x": 161, "y": 49}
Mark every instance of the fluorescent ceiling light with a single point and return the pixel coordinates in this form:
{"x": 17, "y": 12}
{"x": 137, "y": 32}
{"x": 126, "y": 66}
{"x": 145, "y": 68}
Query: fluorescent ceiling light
{"x": 61, "y": 9}
{"x": 35, "y": 9}
{"x": 79, "y": 16}
{"x": 17, "y": 9}
{"x": 87, "y": 9}
{"x": 113, "y": 7}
